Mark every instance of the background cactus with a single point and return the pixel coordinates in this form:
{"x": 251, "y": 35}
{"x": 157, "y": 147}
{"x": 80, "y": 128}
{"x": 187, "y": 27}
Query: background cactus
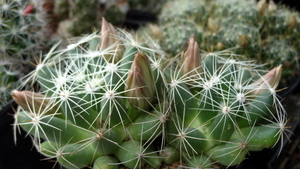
{"x": 86, "y": 16}
{"x": 8, "y": 82}
{"x": 20, "y": 42}
{"x": 251, "y": 28}
{"x": 109, "y": 96}
{"x": 71, "y": 18}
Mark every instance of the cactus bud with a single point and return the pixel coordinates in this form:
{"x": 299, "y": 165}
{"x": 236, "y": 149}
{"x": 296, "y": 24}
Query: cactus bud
{"x": 271, "y": 79}
{"x": 292, "y": 21}
{"x": 33, "y": 102}
{"x": 261, "y": 6}
{"x": 243, "y": 40}
{"x": 157, "y": 33}
{"x": 220, "y": 45}
{"x": 272, "y": 6}
{"x": 140, "y": 85}
{"x": 191, "y": 59}
{"x": 109, "y": 41}
{"x": 212, "y": 25}
{"x": 28, "y": 9}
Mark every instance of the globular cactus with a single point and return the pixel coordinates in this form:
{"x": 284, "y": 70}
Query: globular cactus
{"x": 88, "y": 105}
{"x": 222, "y": 108}
{"x": 110, "y": 100}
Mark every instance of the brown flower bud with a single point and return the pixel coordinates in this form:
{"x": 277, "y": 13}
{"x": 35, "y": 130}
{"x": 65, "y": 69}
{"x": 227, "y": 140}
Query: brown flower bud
{"x": 243, "y": 40}
{"x": 34, "y": 102}
{"x": 140, "y": 85}
{"x": 272, "y": 6}
{"x": 267, "y": 81}
{"x": 261, "y": 6}
{"x": 110, "y": 42}
{"x": 292, "y": 21}
{"x": 191, "y": 59}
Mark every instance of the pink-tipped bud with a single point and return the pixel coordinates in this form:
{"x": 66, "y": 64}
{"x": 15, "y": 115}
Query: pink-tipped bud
{"x": 110, "y": 42}
{"x": 191, "y": 59}
{"x": 268, "y": 81}
{"x": 28, "y": 9}
{"x": 34, "y": 102}
{"x": 140, "y": 85}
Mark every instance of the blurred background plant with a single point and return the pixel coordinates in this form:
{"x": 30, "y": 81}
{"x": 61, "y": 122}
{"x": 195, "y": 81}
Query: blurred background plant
{"x": 20, "y": 43}
{"x": 77, "y": 17}
{"x": 258, "y": 30}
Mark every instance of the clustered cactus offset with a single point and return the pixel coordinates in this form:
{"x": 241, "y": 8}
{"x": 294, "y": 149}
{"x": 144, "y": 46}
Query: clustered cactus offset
{"x": 111, "y": 99}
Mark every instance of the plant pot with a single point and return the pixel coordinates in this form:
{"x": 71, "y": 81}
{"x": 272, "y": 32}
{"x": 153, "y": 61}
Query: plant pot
{"x": 20, "y": 154}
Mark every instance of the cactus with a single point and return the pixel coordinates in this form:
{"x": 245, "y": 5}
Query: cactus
{"x": 8, "y": 82}
{"x": 222, "y": 108}
{"x": 251, "y": 28}
{"x": 109, "y": 100}
{"x": 19, "y": 27}
{"x": 20, "y": 43}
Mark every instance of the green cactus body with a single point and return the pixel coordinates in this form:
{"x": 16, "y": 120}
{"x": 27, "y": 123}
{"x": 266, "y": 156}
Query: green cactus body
{"x": 131, "y": 154}
{"x": 223, "y": 108}
{"x": 145, "y": 127}
{"x": 106, "y": 141}
{"x": 228, "y": 154}
{"x": 52, "y": 128}
{"x": 105, "y": 162}
{"x": 138, "y": 108}
{"x": 199, "y": 161}
{"x": 169, "y": 154}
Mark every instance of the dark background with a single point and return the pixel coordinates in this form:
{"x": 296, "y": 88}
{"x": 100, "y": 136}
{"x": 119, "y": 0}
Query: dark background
{"x": 291, "y": 3}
